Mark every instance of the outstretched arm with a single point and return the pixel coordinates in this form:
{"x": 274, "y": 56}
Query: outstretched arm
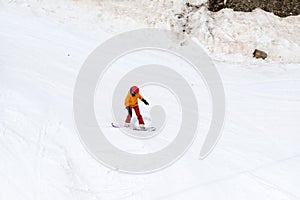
{"x": 145, "y": 102}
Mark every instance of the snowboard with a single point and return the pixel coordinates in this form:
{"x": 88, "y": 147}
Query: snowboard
{"x": 151, "y": 128}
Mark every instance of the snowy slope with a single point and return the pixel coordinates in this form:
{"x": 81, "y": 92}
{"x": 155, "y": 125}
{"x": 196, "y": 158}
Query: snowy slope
{"x": 258, "y": 156}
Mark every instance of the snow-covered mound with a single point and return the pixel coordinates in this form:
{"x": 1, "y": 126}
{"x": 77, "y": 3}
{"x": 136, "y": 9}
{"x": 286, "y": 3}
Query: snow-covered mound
{"x": 43, "y": 45}
{"x": 222, "y": 32}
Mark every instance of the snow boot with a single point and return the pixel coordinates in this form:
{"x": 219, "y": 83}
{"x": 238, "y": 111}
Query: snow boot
{"x": 142, "y": 126}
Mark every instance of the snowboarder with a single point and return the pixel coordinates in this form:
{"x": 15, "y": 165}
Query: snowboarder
{"x": 131, "y": 102}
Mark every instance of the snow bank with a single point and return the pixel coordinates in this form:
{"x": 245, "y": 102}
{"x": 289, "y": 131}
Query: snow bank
{"x": 222, "y": 32}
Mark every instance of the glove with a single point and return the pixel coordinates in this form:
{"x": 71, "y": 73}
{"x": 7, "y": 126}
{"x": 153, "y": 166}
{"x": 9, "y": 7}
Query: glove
{"x": 129, "y": 110}
{"x": 145, "y": 102}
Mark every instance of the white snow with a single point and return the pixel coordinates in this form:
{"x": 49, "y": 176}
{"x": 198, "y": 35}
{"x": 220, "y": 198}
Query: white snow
{"x": 43, "y": 45}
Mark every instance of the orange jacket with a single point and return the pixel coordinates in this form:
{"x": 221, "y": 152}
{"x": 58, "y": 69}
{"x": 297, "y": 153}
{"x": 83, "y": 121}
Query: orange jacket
{"x": 132, "y": 101}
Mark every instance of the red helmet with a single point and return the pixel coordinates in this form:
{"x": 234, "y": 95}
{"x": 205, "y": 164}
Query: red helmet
{"x": 134, "y": 90}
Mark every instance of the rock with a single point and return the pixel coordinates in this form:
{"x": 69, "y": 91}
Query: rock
{"x": 260, "y": 54}
{"x": 216, "y": 5}
{"x": 282, "y": 8}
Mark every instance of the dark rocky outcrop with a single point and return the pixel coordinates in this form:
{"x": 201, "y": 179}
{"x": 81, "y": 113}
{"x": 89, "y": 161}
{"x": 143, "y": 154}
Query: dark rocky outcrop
{"x": 282, "y": 8}
{"x": 260, "y": 54}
